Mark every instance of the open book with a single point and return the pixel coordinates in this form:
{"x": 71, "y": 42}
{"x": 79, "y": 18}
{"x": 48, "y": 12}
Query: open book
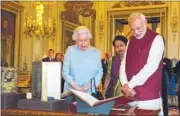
{"x": 92, "y": 101}
{"x": 63, "y": 95}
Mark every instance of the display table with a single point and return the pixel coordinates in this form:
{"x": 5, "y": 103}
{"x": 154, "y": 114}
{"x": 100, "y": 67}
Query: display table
{"x": 10, "y": 100}
{"x": 37, "y": 104}
{"x": 14, "y": 112}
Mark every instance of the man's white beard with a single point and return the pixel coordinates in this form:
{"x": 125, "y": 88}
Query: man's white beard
{"x": 140, "y": 37}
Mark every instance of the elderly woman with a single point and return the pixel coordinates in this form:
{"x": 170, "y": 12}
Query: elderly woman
{"x": 82, "y": 62}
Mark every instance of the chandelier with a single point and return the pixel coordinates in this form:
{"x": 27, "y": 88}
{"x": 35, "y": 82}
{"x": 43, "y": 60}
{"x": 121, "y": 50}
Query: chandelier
{"x": 39, "y": 28}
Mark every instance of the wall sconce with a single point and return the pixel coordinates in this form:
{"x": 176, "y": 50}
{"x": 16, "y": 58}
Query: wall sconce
{"x": 101, "y": 28}
{"x": 174, "y": 24}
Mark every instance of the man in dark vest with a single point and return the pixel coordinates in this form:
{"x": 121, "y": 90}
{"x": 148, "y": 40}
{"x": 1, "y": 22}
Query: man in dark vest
{"x": 141, "y": 68}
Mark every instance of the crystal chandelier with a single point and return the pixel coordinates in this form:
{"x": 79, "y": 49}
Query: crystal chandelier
{"x": 39, "y": 28}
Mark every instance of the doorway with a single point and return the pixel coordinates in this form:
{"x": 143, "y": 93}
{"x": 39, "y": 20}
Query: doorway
{"x": 118, "y": 25}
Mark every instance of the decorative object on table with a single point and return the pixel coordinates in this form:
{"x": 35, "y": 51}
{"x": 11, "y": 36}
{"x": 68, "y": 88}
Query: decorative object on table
{"x": 8, "y": 80}
{"x": 28, "y": 95}
{"x": 24, "y": 79}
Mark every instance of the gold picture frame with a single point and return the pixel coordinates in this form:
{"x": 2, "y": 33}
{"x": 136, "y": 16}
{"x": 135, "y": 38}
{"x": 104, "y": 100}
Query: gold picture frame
{"x": 15, "y": 8}
{"x": 67, "y": 32}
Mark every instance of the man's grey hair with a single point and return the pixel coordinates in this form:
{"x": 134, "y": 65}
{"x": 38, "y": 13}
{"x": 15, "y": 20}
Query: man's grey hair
{"x": 81, "y": 30}
{"x": 137, "y": 15}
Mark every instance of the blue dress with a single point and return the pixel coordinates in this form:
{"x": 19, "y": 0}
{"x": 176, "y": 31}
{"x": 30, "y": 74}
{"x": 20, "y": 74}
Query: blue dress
{"x": 81, "y": 66}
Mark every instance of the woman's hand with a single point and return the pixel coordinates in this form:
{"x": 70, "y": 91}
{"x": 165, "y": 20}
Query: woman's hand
{"x": 76, "y": 87}
{"x": 86, "y": 87}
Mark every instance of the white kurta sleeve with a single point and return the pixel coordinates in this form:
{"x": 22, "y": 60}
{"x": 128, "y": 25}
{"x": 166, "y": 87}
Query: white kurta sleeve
{"x": 122, "y": 73}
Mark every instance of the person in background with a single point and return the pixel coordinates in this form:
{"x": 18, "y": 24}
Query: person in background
{"x": 58, "y": 58}
{"x": 62, "y": 57}
{"x": 119, "y": 44}
{"x": 82, "y": 63}
{"x": 50, "y": 57}
{"x": 142, "y": 65}
{"x": 177, "y": 70}
{"x": 104, "y": 62}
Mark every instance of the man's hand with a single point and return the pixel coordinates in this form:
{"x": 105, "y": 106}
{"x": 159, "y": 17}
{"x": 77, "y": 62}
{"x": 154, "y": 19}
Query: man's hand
{"x": 127, "y": 91}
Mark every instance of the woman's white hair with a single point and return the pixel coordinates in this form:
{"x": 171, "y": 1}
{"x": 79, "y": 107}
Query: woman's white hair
{"x": 137, "y": 15}
{"x": 81, "y": 30}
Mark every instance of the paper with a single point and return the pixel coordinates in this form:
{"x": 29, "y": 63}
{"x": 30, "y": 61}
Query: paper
{"x": 92, "y": 101}
{"x": 29, "y": 95}
{"x": 86, "y": 97}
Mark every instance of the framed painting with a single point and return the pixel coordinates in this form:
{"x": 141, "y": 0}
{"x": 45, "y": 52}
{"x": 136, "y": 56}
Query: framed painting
{"x": 11, "y": 14}
{"x": 67, "y": 28}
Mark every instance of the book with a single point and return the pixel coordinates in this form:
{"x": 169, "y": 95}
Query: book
{"x": 64, "y": 95}
{"x": 36, "y": 79}
{"x": 122, "y": 108}
{"x": 123, "y": 111}
{"x": 51, "y": 81}
{"x": 92, "y": 101}
{"x": 46, "y": 80}
{"x": 123, "y": 100}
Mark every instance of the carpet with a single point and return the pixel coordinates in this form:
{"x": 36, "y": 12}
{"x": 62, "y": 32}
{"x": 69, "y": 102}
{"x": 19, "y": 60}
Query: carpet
{"x": 173, "y": 111}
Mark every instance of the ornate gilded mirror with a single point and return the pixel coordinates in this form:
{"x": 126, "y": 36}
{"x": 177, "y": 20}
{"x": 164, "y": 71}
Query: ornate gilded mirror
{"x": 77, "y": 13}
{"x": 68, "y": 29}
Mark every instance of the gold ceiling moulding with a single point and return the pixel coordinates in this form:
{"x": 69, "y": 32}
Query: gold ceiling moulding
{"x": 15, "y": 7}
{"x": 122, "y": 4}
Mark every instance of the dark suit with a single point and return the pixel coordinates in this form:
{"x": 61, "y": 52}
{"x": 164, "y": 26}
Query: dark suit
{"x": 47, "y": 59}
{"x": 62, "y": 81}
{"x": 177, "y": 69}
